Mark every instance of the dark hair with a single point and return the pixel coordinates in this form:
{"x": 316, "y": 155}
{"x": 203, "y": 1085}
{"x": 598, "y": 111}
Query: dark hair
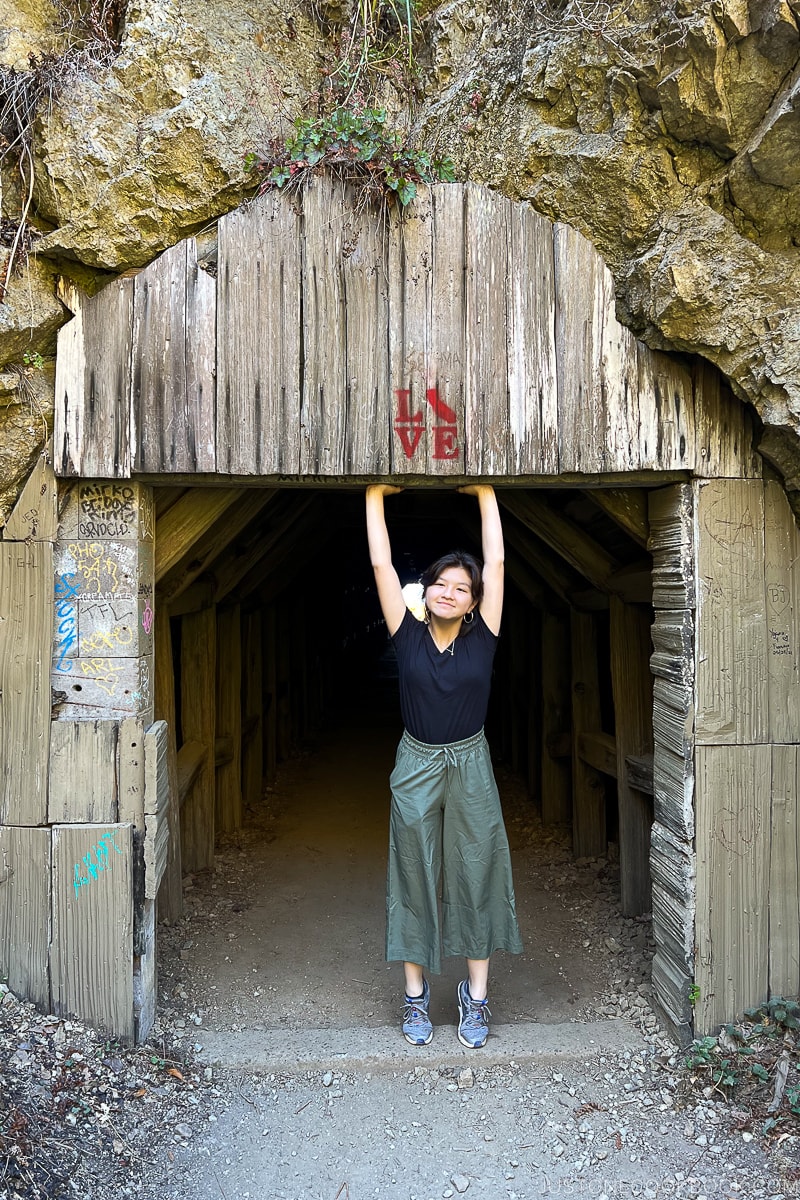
{"x": 467, "y": 562}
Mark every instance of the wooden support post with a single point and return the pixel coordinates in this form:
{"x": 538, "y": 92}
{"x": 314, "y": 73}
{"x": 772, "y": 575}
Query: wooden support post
{"x": 632, "y": 686}
{"x": 253, "y": 737}
{"x": 270, "y": 693}
{"x": 198, "y": 663}
{"x": 283, "y": 650}
{"x": 555, "y": 707}
{"x": 229, "y": 717}
{"x": 170, "y": 895}
{"x": 589, "y": 794}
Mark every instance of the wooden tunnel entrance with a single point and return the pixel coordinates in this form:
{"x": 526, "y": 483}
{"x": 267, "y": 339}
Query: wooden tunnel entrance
{"x": 217, "y": 416}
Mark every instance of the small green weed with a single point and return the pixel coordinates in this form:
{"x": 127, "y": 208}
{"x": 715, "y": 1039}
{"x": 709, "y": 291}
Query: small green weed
{"x": 357, "y": 144}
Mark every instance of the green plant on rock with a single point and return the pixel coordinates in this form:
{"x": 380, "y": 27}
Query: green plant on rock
{"x": 357, "y": 144}
{"x": 350, "y": 133}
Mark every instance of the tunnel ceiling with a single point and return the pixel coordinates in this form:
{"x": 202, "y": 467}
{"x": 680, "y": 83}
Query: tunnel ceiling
{"x": 564, "y": 546}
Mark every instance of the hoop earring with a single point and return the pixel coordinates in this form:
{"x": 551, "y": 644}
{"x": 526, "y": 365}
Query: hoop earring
{"x": 471, "y": 615}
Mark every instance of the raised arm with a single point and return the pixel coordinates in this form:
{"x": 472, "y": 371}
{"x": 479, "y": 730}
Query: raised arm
{"x": 493, "y": 553}
{"x": 390, "y": 592}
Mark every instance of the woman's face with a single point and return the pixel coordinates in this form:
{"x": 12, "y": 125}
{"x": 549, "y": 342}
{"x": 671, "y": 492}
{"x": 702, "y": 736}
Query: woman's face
{"x": 450, "y": 595}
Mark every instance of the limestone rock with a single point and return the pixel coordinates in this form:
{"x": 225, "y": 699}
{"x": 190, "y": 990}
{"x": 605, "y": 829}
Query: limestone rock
{"x": 26, "y": 27}
{"x": 26, "y": 423}
{"x": 31, "y": 314}
{"x": 147, "y": 150}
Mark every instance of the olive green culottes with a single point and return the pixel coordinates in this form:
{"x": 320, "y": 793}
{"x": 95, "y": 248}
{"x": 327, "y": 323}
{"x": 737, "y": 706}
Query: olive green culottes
{"x": 446, "y": 824}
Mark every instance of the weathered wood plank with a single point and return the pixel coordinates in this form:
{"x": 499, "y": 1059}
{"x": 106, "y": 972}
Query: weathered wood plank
{"x": 671, "y": 986}
{"x": 25, "y": 912}
{"x": 131, "y": 782}
{"x": 673, "y": 789}
{"x": 170, "y": 896}
{"x": 410, "y": 300}
{"x": 784, "y": 874}
{"x": 567, "y": 539}
{"x": 782, "y": 591}
{"x": 366, "y": 399}
{"x": 671, "y": 543}
{"x": 599, "y": 751}
{"x": 91, "y": 955}
{"x": 639, "y": 772}
{"x": 588, "y": 789}
{"x": 187, "y": 521}
{"x": 69, "y": 391}
{"x": 26, "y": 574}
{"x": 156, "y": 806}
{"x": 582, "y": 416}
{"x": 93, "y": 386}
{"x": 732, "y": 654}
{"x": 101, "y": 512}
{"x": 627, "y": 507}
{"x": 172, "y": 364}
{"x": 198, "y": 724}
{"x": 632, "y": 686}
{"x": 726, "y": 438}
{"x": 486, "y": 380}
{"x": 83, "y": 772}
{"x": 532, "y": 382}
{"x": 666, "y": 435}
{"x": 34, "y": 517}
{"x": 323, "y": 415}
{"x": 192, "y": 757}
{"x": 201, "y": 361}
{"x": 621, "y": 384}
{"x": 445, "y": 377}
{"x": 732, "y": 919}
{"x": 144, "y": 976}
{"x": 203, "y": 553}
{"x": 229, "y": 717}
{"x": 259, "y": 338}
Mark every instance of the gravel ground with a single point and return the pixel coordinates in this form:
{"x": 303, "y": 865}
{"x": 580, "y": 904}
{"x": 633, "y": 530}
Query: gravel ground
{"x": 83, "y": 1117}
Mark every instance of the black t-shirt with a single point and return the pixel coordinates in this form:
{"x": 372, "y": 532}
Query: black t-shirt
{"x": 444, "y": 696}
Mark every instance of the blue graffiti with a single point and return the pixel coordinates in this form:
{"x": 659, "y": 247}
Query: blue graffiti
{"x": 95, "y": 862}
{"x": 67, "y": 630}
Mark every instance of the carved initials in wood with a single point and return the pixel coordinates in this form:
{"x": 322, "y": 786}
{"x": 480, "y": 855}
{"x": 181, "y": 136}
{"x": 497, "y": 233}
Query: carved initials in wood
{"x": 409, "y": 426}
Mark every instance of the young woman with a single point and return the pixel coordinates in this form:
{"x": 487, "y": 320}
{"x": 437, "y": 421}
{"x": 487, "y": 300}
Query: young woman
{"x": 445, "y": 817}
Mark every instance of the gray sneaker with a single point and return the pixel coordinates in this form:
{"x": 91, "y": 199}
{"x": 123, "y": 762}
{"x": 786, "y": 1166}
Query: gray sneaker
{"x": 417, "y": 1028}
{"x": 473, "y": 1018}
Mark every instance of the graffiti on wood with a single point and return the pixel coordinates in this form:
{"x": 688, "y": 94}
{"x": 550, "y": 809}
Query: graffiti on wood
{"x": 107, "y": 510}
{"x": 410, "y": 426}
{"x": 95, "y": 862}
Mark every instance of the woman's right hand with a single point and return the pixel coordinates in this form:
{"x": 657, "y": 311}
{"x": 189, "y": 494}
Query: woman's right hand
{"x": 383, "y": 489}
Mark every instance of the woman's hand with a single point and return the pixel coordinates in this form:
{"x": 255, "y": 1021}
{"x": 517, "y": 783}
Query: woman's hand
{"x": 383, "y": 489}
{"x": 475, "y": 489}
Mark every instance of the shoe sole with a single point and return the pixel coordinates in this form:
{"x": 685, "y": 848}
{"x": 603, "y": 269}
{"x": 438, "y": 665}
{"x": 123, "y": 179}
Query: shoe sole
{"x": 427, "y": 1041}
{"x": 463, "y": 1040}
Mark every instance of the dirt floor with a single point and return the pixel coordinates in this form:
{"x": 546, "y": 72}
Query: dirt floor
{"x": 578, "y": 1092}
{"x": 289, "y": 930}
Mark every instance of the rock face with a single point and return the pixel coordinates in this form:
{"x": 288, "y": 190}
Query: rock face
{"x": 668, "y": 136}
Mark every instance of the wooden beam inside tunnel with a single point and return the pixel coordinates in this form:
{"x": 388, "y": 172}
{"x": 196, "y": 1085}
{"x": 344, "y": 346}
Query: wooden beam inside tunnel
{"x": 204, "y": 552}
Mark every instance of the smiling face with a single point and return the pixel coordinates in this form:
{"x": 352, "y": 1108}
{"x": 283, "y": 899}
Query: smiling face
{"x": 450, "y": 594}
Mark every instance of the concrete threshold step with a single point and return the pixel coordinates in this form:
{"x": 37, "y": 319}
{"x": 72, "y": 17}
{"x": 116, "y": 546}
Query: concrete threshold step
{"x": 383, "y": 1048}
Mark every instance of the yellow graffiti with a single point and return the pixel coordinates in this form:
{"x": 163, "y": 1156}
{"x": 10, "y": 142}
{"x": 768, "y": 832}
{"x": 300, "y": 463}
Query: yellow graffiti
{"x": 103, "y": 671}
{"x": 90, "y": 562}
{"x": 107, "y": 639}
